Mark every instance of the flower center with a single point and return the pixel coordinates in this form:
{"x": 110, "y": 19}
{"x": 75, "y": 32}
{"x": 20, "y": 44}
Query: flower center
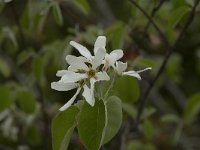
{"x": 91, "y": 73}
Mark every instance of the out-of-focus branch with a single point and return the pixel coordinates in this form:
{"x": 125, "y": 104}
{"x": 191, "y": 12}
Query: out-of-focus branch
{"x": 154, "y": 11}
{"x": 165, "y": 40}
{"x": 143, "y": 97}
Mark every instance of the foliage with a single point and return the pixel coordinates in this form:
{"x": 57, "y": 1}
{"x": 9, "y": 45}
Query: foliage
{"x": 34, "y": 40}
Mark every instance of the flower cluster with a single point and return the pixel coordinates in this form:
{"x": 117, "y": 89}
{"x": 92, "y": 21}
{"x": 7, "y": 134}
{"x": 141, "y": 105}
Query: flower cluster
{"x": 84, "y": 71}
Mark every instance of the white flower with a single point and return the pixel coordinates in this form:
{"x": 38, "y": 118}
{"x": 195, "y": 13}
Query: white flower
{"x": 61, "y": 86}
{"x": 78, "y": 74}
{"x": 110, "y": 59}
{"x": 100, "y": 43}
{"x": 121, "y": 67}
{"x": 84, "y": 71}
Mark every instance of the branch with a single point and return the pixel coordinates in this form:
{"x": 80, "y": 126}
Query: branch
{"x": 165, "y": 40}
{"x": 143, "y": 98}
{"x": 154, "y": 11}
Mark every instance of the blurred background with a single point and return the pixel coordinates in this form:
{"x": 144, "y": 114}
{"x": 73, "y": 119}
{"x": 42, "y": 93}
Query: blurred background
{"x": 34, "y": 41}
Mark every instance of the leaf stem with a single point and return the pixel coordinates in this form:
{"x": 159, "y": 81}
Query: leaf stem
{"x": 110, "y": 87}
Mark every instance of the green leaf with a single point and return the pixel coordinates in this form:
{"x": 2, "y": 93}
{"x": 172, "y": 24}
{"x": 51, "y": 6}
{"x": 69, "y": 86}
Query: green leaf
{"x": 11, "y": 36}
{"x": 148, "y": 129}
{"x": 57, "y": 13}
{"x": 37, "y": 66}
{"x": 173, "y": 67}
{"x": 4, "y": 68}
{"x": 26, "y": 101}
{"x": 149, "y": 146}
{"x": 5, "y": 99}
{"x": 114, "y": 117}
{"x": 79, "y": 104}
{"x": 145, "y": 62}
{"x": 148, "y": 112}
{"x": 2, "y": 5}
{"x": 190, "y": 2}
{"x": 33, "y": 135}
{"x": 130, "y": 110}
{"x": 135, "y": 145}
{"x": 83, "y": 5}
{"x": 127, "y": 89}
{"x": 170, "y": 118}
{"x": 91, "y": 125}
{"x": 62, "y": 128}
{"x": 192, "y": 108}
{"x": 8, "y": 1}
{"x": 178, "y": 14}
{"x": 116, "y": 34}
{"x": 24, "y": 56}
{"x": 177, "y": 134}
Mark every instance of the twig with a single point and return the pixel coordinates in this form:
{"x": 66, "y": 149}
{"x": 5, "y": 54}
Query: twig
{"x": 154, "y": 11}
{"x": 143, "y": 98}
{"x": 165, "y": 40}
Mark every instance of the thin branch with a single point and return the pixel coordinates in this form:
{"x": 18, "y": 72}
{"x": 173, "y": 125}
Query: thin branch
{"x": 154, "y": 11}
{"x": 164, "y": 63}
{"x": 165, "y": 40}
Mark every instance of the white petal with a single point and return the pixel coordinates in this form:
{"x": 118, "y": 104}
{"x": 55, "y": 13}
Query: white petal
{"x": 60, "y": 86}
{"x": 102, "y": 76}
{"x": 144, "y": 70}
{"x": 82, "y": 50}
{"x": 88, "y": 93}
{"x": 60, "y": 73}
{"x": 71, "y": 101}
{"x": 67, "y": 73}
{"x": 118, "y": 52}
{"x": 83, "y": 59}
{"x": 72, "y": 68}
{"x": 120, "y": 67}
{"x": 69, "y": 78}
{"x": 92, "y": 82}
{"x": 100, "y": 43}
{"x": 76, "y": 62}
{"x": 111, "y": 59}
{"x": 98, "y": 58}
{"x": 133, "y": 74}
